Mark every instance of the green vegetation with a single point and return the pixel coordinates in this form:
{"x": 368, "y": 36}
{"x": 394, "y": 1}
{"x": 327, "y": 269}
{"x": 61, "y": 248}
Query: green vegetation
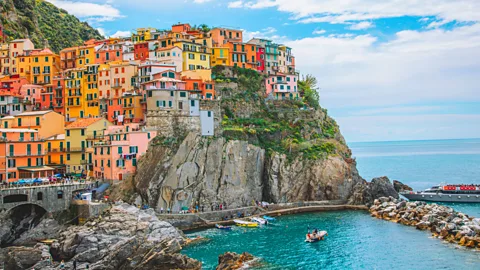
{"x": 308, "y": 89}
{"x": 42, "y": 21}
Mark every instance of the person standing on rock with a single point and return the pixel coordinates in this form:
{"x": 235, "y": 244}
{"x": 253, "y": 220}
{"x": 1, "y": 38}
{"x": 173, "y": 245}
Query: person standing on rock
{"x": 62, "y": 265}
{"x": 203, "y": 208}
{"x": 75, "y": 265}
{"x": 161, "y": 210}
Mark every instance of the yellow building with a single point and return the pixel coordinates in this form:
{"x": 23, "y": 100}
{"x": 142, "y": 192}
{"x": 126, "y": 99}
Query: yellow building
{"x": 78, "y": 160}
{"x": 81, "y": 93}
{"x": 220, "y": 56}
{"x": 195, "y": 56}
{"x": 47, "y": 123}
{"x": 85, "y": 56}
{"x": 143, "y": 34}
{"x": 55, "y": 148}
{"x": 39, "y": 66}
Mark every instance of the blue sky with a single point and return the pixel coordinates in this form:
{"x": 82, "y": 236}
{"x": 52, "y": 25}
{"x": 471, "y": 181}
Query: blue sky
{"x": 387, "y": 70}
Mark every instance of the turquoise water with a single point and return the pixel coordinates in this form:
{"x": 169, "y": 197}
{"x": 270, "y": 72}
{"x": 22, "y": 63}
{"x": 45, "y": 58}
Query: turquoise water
{"x": 422, "y": 164}
{"x": 355, "y": 240}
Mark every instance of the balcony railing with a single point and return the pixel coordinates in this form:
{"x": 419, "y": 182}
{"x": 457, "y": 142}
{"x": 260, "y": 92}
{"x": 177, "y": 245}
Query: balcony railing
{"x": 116, "y": 85}
{"x": 131, "y": 105}
{"x": 76, "y": 94}
{"x": 76, "y": 149}
{"x": 27, "y": 154}
{"x": 86, "y": 162}
{"x": 55, "y": 150}
{"x": 95, "y": 137}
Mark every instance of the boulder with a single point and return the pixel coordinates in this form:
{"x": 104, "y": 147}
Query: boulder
{"x": 399, "y": 186}
{"x": 232, "y": 260}
{"x": 23, "y": 257}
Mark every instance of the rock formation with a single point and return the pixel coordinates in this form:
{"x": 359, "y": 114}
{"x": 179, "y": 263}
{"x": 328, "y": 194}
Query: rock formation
{"x": 399, "y": 186}
{"x": 444, "y": 222}
{"x": 365, "y": 192}
{"x": 124, "y": 238}
{"x": 232, "y": 260}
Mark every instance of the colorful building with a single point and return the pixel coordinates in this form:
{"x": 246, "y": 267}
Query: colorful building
{"x": 220, "y": 56}
{"x": 282, "y": 86}
{"x": 271, "y": 53}
{"x": 115, "y": 156}
{"x": 11, "y": 103}
{"x": 221, "y": 36}
{"x": 22, "y": 155}
{"x": 78, "y": 160}
{"x": 55, "y": 153}
{"x": 32, "y": 96}
{"x": 172, "y": 56}
{"x": 195, "y": 56}
{"x": 107, "y": 52}
{"x": 47, "y": 123}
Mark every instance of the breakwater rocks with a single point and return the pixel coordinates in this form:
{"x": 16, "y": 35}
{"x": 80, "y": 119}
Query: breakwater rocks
{"x": 232, "y": 260}
{"x": 444, "y": 222}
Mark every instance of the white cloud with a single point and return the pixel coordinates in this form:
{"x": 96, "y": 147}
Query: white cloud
{"x": 341, "y": 11}
{"x": 319, "y": 32}
{"x": 122, "y": 34}
{"x": 201, "y": 1}
{"x": 92, "y": 12}
{"x": 361, "y": 26}
{"x": 436, "y": 66}
{"x": 235, "y": 4}
{"x": 267, "y": 33}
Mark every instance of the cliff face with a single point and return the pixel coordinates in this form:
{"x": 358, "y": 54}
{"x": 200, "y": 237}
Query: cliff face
{"x": 266, "y": 150}
{"x": 40, "y": 21}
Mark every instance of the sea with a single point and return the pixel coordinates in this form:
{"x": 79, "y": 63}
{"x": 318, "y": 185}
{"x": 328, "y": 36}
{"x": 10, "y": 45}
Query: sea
{"x": 355, "y": 240}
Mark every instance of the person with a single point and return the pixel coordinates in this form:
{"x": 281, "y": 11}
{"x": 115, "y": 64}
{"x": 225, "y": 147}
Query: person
{"x": 161, "y": 210}
{"x": 62, "y": 265}
{"x": 74, "y": 264}
{"x": 87, "y": 267}
{"x": 203, "y": 208}
{"x": 168, "y": 210}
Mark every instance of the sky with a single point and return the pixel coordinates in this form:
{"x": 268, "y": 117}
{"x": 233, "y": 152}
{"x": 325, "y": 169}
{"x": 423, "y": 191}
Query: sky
{"x": 387, "y": 70}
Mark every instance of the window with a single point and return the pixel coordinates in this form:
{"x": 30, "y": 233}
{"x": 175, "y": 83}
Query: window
{"x": 170, "y": 103}
{"x": 68, "y": 156}
{"x": 82, "y": 132}
{"x": 209, "y": 113}
{"x": 68, "y": 133}
{"x": 171, "y": 93}
{"x": 183, "y": 94}
{"x": 39, "y": 196}
{"x": 37, "y": 119}
{"x": 59, "y": 194}
{"x": 120, "y": 150}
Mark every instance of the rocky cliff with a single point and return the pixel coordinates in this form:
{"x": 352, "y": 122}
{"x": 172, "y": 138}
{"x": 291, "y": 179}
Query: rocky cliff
{"x": 42, "y": 21}
{"x": 266, "y": 150}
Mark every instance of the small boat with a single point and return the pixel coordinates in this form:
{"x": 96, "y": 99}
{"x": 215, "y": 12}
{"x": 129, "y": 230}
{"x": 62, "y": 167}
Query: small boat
{"x": 269, "y": 218}
{"x": 243, "y": 223}
{"x": 259, "y": 220}
{"x": 320, "y": 236}
{"x": 221, "y": 227}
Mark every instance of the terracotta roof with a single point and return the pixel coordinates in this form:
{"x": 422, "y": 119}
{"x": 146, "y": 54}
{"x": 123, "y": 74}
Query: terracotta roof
{"x": 42, "y": 52}
{"x": 83, "y": 123}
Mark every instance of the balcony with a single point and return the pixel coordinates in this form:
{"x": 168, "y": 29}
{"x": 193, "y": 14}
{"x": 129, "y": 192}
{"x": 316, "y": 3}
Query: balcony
{"x": 56, "y": 150}
{"x": 131, "y": 105}
{"x": 116, "y": 86}
{"x": 76, "y": 94}
{"x": 46, "y": 72}
{"x": 95, "y": 137}
{"x": 75, "y": 149}
{"x": 27, "y": 154}
{"x": 143, "y": 101}
{"x": 71, "y": 104}
{"x": 58, "y": 87}
{"x": 86, "y": 162}
{"x": 57, "y": 96}
{"x": 129, "y": 116}
{"x": 58, "y": 106}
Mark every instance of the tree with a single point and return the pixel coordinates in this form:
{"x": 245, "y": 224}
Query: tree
{"x": 204, "y": 28}
{"x": 308, "y": 89}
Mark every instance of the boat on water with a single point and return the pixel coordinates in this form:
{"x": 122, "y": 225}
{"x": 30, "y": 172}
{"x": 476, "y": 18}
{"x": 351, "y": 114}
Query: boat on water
{"x": 259, "y": 220}
{"x": 446, "y": 193}
{"x": 243, "y": 223}
{"x": 221, "y": 227}
{"x": 312, "y": 237}
{"x": 267, "y": 218}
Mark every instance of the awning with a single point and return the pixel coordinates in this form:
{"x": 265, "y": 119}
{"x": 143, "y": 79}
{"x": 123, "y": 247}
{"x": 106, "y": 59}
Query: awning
{"x": 36, "y": 168}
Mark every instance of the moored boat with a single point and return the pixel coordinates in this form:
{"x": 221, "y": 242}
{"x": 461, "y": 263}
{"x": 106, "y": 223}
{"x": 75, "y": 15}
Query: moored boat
{"x": 446, "y": 193}
{"x": 243, "y": 223}
{"x": 221, "y": 227}
{"x": 259, "y": 220}
{"x": 268, "y": 218}
{"x": 312, "y": 237}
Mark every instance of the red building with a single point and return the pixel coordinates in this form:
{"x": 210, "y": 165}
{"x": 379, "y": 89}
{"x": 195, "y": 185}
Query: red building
{"x": 13, "y": 84}
{"x": 141, "y": 51}
{"x": 260, "y": 59}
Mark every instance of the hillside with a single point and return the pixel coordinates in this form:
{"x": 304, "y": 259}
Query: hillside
{"x": 263, "y": 149}
{"x": 42, "y": 21}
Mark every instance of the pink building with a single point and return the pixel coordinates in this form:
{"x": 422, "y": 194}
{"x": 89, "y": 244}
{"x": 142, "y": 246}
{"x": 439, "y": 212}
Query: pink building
{"x": 282, "y": 86}
{"x": 117, "y": 151}
{"x": 32, "y": 95}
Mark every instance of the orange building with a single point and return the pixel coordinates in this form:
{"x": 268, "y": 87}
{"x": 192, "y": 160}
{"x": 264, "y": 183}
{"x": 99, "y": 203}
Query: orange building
{"x": 221, "y": 36}
{"x": 22, "y": 155}
{"x": 206, "y": 88}
{"x": 181, "y": 28}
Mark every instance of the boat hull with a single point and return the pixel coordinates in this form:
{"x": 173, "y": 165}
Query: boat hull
{"x": 439, "y": 197}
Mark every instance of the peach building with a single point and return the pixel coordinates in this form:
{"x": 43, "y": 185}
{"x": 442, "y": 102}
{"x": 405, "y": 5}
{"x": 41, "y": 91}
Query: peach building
{"x": 22, "y": 155}
{"x": 116, "y": 154}
{"x": 32, "y": 95}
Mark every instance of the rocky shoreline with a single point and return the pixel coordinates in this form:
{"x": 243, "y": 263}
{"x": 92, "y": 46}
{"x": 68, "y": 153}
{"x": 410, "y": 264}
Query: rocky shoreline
{"x": 442, "y": 221}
